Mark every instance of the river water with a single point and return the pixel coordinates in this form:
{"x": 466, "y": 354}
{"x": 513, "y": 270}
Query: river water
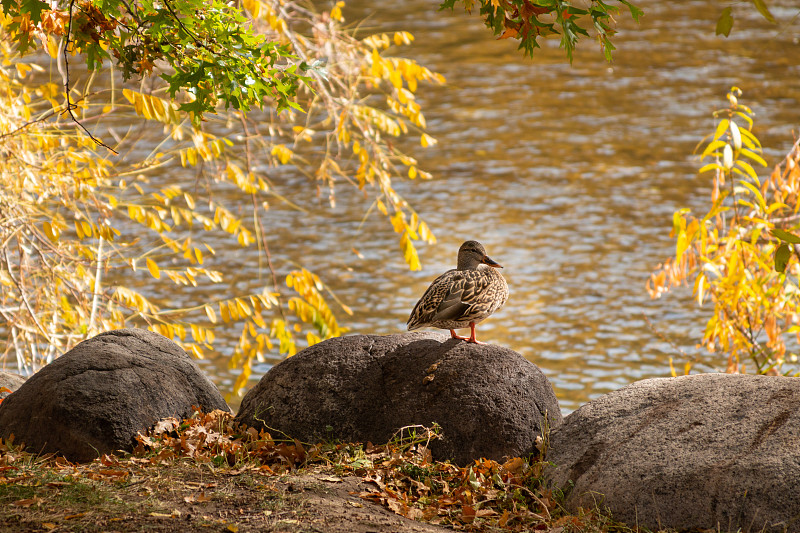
{"x": 568, "y": 174}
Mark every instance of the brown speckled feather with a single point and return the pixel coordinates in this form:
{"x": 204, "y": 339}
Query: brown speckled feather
{"x": 461, "y": 296}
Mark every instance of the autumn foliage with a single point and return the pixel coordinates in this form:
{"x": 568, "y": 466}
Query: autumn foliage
{"x": 95, "y": 235}
{"x": 737, "y": 256}
{"x": 527, "y": 21}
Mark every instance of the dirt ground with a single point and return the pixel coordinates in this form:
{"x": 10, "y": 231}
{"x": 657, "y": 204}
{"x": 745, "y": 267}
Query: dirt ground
{"x": 188, "y": 497}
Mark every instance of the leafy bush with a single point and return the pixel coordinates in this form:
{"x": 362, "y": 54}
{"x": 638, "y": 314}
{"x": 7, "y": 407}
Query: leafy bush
{"x": 727, "y": 254}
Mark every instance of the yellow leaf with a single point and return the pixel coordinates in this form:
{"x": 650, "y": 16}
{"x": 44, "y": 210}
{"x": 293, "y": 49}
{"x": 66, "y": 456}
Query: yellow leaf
{"x": 710, "y": 166}
{"x": 721, "y": 128}
{"x": 396, "y": 79}
{"x": 426, "y": 140}
{"x": 680, "y": 246}
{"x": 23, "y": 69}
{"x": 336, "y": 12}
{"x": 754, "y": 156}
{"x": 282, "y": 152}
{"x": 153, "y": 268}
{"x": 50, "y": 231}
{"x": 52, "y": 47}
{"x": 87, "y": 228}
{"x": 712, "y": 147}
{"x": 398, "y": 221}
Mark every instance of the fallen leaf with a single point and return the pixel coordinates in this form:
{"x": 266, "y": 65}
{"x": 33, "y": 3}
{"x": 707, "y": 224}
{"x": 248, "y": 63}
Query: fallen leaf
{"x": 167, "y": 425}
{"x": 197, "y": 498}
{"x": 332, "y": 479}
{"x": 515, "y": 465}
{"x": 28, "y": 502}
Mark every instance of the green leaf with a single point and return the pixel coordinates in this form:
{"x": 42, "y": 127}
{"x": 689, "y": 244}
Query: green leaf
{"x": 635, "y": 11}
{"x": 782, "y": 255}
{"x": 762, "y": 8}
{"x": 785, "y": 236}
{"x": 32, "y": 7}
{"x": 725, "y": 22}
{"x": 6, "y": 5}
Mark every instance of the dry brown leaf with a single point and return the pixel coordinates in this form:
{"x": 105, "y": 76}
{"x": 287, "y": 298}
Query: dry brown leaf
{"x": 28, "y": 502}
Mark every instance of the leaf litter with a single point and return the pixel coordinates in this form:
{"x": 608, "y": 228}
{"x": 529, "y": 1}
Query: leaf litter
{"x": 215, "y": 456}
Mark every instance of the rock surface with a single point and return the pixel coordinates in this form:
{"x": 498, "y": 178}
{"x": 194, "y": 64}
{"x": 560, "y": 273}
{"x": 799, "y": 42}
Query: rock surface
{"x": 11, "y": 382}
{"x": 705, "y": 451}
{"x": 490, "y": 401}
{"x": 95, "y": 398}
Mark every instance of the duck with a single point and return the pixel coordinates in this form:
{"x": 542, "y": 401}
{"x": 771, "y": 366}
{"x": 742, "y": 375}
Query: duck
{"x": 464, "y": 296}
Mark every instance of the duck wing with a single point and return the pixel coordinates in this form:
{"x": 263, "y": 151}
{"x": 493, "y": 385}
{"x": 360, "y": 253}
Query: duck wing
{"x": 426, "y": 308}
{"x": 459, "y": 296}
{"x": 470, "y": 297}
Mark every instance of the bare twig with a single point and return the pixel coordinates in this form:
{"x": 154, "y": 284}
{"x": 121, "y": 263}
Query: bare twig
{"x": 70, "y": 105}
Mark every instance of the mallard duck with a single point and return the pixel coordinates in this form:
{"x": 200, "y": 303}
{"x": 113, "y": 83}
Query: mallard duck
{"x": 464, "y": 296}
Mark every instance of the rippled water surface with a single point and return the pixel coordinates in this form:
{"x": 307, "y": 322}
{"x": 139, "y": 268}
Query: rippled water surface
{"x": 569, "y": 175}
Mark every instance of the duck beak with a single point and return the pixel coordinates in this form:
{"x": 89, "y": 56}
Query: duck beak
{"x": 491, "y": 262}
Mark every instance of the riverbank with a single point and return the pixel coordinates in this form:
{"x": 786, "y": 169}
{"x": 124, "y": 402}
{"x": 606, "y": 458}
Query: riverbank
{"x": 205, "y": 474}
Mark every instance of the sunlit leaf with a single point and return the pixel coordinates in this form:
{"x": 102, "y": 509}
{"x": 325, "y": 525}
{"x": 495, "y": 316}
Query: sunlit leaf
{"x": 153, "y": 268}
{"x": 736, "y": 137}
{"x": 727, "y": 157}
{"x": 754, "y": 156}
{"x": 764, "y": 10}
{"x": 712, "y": 146}
{"x": 722, "y": 127}
{"x": 212, "y": 316}
{"x": 710, "y": 166}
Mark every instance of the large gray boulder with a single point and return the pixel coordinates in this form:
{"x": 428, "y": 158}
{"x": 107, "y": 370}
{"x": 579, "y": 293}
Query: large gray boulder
{"x": 708, "y": 451}
{"x": 11, "y": 382}
{"x": 489, "y": 400}
{"x": 95, "y": 398}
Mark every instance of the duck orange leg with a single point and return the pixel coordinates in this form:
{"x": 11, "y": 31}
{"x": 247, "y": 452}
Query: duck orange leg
{"x": 471, "y": 338}
{"x": 454, "y": 336}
